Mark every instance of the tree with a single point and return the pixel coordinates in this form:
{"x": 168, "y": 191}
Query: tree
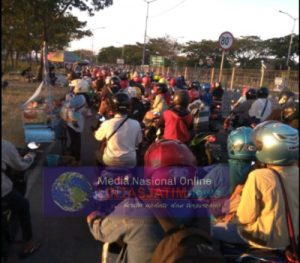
{"x": 46, "y": 20}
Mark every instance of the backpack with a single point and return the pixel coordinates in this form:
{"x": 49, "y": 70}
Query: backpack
{"x": 185, "y": 244}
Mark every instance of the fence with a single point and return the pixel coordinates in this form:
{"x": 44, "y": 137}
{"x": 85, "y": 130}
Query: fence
{"x": 236, "y": 78}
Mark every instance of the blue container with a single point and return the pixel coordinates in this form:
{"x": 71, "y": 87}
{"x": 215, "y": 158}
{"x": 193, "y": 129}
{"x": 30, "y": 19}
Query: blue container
{"x": 52, "y": 159}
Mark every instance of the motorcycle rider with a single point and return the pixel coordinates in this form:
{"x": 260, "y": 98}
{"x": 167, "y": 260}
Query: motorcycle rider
{"x": 75, "y": 125}
{"x": 112, "y": 87}
{"x": 287, "y": 112}
{"x": 260, "y": 219}
{"x": 159, "y": 104}
{"x": 225, "y": 177}
{"x": 217, "y": 91}
{"x": 132, "y": 223}
{"x": 177, "y": 121}
{"x": 11, "y": 159}
{"x": 239, "y": 115}
{"x": 262, "y": 107}
{"x": 121, "y": 133}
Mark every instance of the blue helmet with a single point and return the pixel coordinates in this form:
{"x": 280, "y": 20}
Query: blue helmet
{"x": 240, "y": 144}
{"x": 276, "y": 143}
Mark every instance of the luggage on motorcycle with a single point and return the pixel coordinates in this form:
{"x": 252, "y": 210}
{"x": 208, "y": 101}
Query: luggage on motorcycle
{"x": 183, "y": 243}
{"x": 186, "y": 245}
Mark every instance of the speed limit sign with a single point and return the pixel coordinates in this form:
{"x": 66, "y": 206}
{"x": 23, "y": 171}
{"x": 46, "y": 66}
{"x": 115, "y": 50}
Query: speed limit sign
{"x": 226, "y": 40}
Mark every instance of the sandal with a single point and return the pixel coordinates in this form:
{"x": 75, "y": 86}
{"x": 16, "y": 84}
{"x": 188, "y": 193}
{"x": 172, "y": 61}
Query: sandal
{"x": 33, "y": 249}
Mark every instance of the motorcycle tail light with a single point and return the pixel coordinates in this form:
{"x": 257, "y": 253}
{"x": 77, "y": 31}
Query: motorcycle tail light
{"x": 212, "y": 138}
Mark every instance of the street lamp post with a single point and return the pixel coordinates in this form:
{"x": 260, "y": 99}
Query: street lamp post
{"x": 94, "y": 29}
{"x": 145, "y": 35}
{"x": 292, "y": 35}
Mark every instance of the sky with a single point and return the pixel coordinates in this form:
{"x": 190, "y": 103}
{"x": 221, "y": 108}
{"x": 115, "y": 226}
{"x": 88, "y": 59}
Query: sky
{"x": 124, "y": 22}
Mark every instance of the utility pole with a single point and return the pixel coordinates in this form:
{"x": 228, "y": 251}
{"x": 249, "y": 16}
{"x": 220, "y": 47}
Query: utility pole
{"x": 145, "y": 35}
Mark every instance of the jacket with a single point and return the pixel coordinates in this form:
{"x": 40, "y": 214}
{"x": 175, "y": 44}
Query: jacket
{"x": 261, "y": 212}
{"x": 135, "y": 225}
{"x": 11, "y": 158}
{"x": 177, "y": 125}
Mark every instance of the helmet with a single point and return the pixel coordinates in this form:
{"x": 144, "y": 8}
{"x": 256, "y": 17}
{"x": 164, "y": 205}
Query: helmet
{"x": 120, "y": 102}
{"x": 156, "y": 78}
{"x": 251, "y": 94}
{"x": 160, "y": 88}
{"x": 162, "y": 80}
{"x": 134, "y": 92}
{"x": 193, "y": 95}
{"x": 80, "y": 85}
{"x": 276, "y": 143}
{"x": 114, "y": 81}
{"x": 172, "y": 82}
{"x": 71, "y": 76}
{"x": 289, "y": 112}
{"x": 218, "y": 84}
{"x": 169, "y": 159}
{"x": 181, "y": 98}
{"x": 124, "y": 75}
{"x": 286, "y": 97}
{"x": 206, "y": 87}
{"x": 136, "y": 79}
{"x": 146, "y": 80}
{"x": 240, "y": 144}
{"x": 99, "y": 75}
{"x": 78, "y": 101}
{"x": 263, "y": 93}
{"x": 194, "y": 85}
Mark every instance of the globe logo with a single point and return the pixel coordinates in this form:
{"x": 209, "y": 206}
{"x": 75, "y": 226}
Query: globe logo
{"x": 71, "y": 191}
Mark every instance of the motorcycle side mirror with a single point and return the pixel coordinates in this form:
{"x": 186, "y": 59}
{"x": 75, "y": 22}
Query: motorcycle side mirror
{"x": 33, "y": 145}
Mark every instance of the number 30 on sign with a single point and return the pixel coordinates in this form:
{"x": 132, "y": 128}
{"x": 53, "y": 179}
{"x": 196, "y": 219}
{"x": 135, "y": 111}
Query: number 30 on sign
{"x": 226, "y": 40}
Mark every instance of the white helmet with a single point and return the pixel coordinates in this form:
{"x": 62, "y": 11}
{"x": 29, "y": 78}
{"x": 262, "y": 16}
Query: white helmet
{"x": 80, "y": 85}
{"x": 107, "y": 80}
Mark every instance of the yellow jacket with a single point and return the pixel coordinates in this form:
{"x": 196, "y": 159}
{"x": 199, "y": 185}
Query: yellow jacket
{"x": 261, "y": 212}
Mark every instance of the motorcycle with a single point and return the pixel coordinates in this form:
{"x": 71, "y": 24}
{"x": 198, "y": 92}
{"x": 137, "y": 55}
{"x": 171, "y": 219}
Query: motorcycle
{"x": 9, "y": 220}
{"x": 216, "y": 110}
{"x": 206, "y": 149}
{"x": 240, "y": 254}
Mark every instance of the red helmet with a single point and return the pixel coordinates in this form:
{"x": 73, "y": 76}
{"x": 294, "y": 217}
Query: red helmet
{"x": 146, "y": 80}
{"x": 99, "y": 74}
{"x": 170, "y": 160}
{"x": 172, "y": 82}
{"x": 136, "y": 79}
{"x": 193, "y": 95}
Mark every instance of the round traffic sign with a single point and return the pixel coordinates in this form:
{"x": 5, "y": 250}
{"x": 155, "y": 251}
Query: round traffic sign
{"x": 226, "y": 40}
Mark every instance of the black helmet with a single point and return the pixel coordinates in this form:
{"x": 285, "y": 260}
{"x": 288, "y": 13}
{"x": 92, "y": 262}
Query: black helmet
{"x": 262, "y": 93}
{"x": 181, "y": 98}
{"x": 114, "y": 81}
{"x": 160, "y": 88}
{"x": 120, "y": 102}
{"x": 124, "y": 75}
{"x": 194, "y": 85}
{"x": 251, "y": 94}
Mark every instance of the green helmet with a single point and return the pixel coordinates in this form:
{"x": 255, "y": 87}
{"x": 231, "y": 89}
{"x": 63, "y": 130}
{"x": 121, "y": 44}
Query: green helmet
{"x": 240, "y": 144}
{"x": 276, "y": 143}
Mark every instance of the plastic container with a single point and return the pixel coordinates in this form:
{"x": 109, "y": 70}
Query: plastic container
{"x": 52, "y": 159}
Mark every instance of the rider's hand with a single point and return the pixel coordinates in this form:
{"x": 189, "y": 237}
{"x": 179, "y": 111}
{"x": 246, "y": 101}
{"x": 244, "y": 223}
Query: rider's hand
{"x": 93, "y": 215}
{"x": 30, "y": 155}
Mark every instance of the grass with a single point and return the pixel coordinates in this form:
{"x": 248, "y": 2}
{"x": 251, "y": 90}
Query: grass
{"x": 12, "y": 98}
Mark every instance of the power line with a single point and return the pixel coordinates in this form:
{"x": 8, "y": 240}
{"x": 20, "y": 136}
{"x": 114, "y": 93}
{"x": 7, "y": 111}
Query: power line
{"x": 168, "y": 10}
